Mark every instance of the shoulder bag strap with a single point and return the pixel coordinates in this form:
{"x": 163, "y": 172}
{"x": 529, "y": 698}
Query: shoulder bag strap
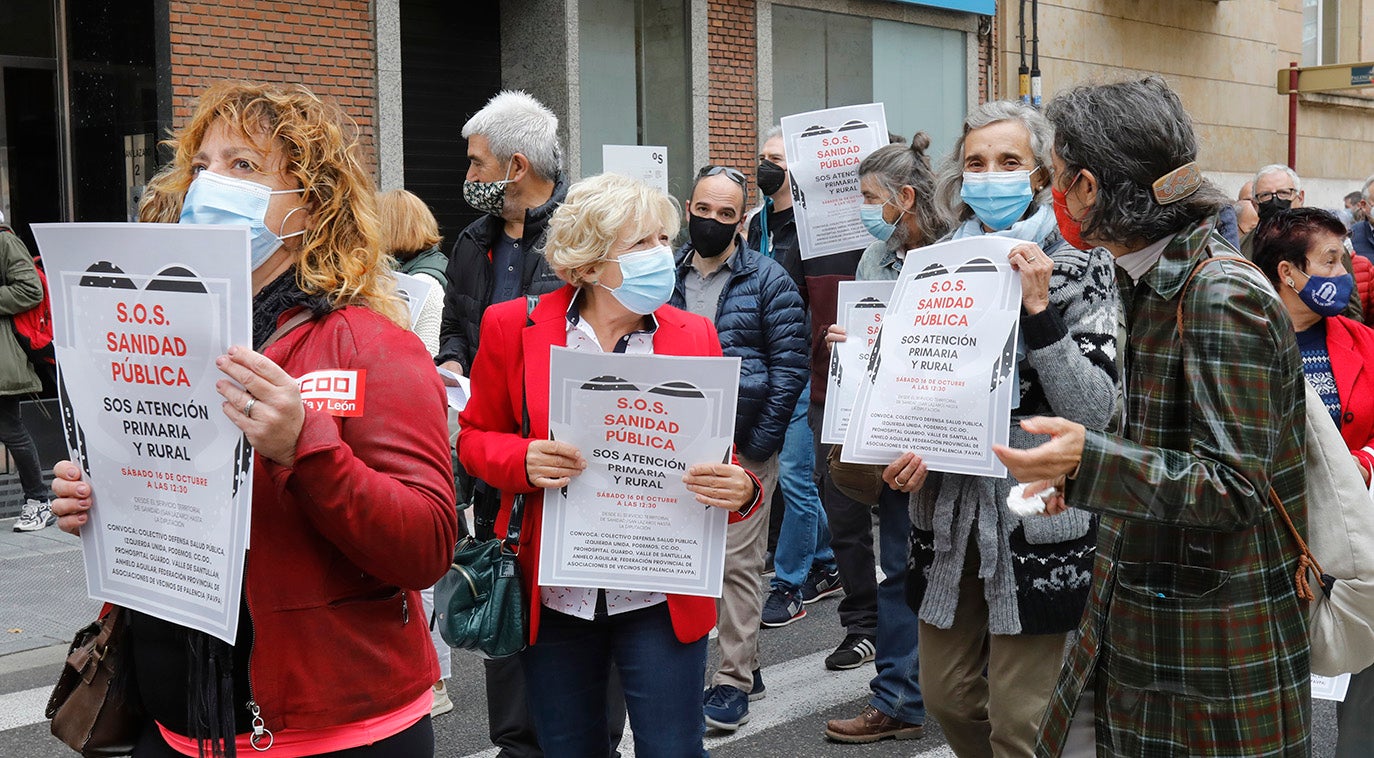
{"x": 300, "y": 319}
{"x": 1307, "y": 562}
{"x": 517, "y": 509}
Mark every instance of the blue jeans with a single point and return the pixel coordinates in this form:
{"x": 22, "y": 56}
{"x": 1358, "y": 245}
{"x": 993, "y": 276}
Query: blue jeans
{"x": 804, "y": 539}
{"x": 896, "y": 690}
{"x": 565, "y": 678}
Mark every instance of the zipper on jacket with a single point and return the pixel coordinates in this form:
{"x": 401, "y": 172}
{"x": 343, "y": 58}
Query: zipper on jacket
{"x": 260, "y": 730}
{"x": 405, "y": 608}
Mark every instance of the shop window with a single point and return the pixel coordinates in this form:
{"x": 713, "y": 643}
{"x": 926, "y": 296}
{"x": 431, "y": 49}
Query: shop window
{"x": 919, "y": 73}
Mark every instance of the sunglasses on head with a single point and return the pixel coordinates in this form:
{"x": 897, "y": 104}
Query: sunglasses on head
{"x": 732, "y": 174}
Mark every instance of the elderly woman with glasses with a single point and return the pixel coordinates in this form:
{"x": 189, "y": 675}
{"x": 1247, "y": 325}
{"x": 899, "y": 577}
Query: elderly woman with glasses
{"x": 609, "y": 242}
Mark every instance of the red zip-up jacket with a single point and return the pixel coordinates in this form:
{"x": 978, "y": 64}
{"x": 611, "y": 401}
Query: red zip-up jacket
{"x": 343, "y": 540}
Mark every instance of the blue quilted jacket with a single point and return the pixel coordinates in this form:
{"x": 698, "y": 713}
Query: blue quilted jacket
{"x": 760, "y": 320}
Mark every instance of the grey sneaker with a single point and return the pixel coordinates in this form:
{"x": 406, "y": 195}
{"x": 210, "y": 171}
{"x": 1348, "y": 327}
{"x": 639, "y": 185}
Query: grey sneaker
{"x": 34, "y": 515}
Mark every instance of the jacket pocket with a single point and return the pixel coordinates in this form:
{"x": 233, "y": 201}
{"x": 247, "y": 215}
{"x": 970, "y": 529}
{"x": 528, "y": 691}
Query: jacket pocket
{"x": 1168, "y": 630}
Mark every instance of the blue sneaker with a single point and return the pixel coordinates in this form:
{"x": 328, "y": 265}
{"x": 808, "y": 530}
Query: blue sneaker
{"x": 821, "y": 582}
{"x": 782, "y": 608}
{"x": 726, "y": 707}
{"x": 759, "y": 691}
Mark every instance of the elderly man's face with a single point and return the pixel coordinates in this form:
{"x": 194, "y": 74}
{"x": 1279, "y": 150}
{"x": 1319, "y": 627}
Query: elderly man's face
{"x": 1277, "y": 184}
{"x": 483, "y": 166}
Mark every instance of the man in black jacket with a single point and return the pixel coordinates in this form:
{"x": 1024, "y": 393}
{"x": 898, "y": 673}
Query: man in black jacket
{"x": 758, "y": 313}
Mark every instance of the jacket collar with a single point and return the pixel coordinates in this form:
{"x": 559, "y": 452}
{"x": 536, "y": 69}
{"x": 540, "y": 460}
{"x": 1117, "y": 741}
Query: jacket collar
{"x": 1346, "y": 364}
{"x": 1188, "y": 248}
{"x": 744, "y": 261}
{"x": 535, "y": 218}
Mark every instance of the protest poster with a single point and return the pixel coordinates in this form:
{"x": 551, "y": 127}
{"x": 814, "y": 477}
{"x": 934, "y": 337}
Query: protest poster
{"x": 860, "y": 312}
{"x": 413, "y": 290}
{"x": 647, "y": 163}
{"x": 824, "y": 149}
{"x": 140, "y": 313}
{"x": 940, "y": 381}
{"x": 628, "y": 522}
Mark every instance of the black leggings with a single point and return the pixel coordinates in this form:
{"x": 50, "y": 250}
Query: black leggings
{"x": 415, "y": 742}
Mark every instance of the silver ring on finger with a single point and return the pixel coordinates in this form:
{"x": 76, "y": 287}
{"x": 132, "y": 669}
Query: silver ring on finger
{"x": 901, "y": 483}
{"x": 248, "y": 407}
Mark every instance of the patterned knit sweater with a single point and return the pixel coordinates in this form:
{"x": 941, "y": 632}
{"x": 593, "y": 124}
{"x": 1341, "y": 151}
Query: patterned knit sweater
{"x": 1036, "y": 571}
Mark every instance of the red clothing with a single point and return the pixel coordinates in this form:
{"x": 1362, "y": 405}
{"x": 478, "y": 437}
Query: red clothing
{"x": 1364, "y": 284}
{"x": 1351, "y": 347}
{"x": 489, "y": 443}
{"x": 343, "y": 540}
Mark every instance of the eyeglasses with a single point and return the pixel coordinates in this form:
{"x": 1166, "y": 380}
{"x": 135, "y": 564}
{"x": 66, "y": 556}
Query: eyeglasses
{"x": 1287, "y": 193}
{"x": 732, "y": 174}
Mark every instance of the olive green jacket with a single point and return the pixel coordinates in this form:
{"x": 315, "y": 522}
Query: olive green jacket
{"x": 20, "y": 290}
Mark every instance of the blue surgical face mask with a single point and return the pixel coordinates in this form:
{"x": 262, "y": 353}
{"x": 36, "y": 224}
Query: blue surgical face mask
{"x": 998, "y": 198}
{"x": 1326, "y": 295}
{"x": 647, "y": 279}
{"x": 223, "y": 200}
{"x": 871, "y": 214}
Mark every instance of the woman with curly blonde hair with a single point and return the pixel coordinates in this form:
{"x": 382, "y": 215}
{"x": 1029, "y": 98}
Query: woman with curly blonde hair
{"x": 353, "y": 506}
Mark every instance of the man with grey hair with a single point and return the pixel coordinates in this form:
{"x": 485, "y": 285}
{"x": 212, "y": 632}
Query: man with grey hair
{"x": 1362, "y": 233}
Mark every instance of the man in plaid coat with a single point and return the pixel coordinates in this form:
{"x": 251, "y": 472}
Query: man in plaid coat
{"x": 1194, "y": 642}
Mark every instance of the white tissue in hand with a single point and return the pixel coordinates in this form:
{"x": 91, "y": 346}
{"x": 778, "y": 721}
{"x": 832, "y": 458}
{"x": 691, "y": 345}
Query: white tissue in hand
{"x": 1022, "y": 505}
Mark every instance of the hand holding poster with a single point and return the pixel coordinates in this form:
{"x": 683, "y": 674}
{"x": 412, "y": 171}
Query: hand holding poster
{"x": 861, "y": 309}
{"x": 628, "y": 522}
{"x": 824, "y": 150}
{"x": 940, "y": 381}
{"x": 140, "y": 313}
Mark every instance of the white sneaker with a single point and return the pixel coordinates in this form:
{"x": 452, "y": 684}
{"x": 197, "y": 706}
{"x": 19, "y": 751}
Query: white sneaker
{"x": 35, "y": 515}
{"x": 442, "y": 703}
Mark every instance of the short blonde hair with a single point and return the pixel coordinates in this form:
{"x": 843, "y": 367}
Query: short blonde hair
{"x": 408, "y": 226}
{"x": 600, "y": 211}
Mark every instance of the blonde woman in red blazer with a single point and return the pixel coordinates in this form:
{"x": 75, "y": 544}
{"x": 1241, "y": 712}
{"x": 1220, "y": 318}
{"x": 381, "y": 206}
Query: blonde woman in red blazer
{"x": 609, "y": 240}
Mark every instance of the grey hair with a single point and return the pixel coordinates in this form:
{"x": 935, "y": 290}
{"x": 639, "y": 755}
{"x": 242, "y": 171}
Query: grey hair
{"x": 950, "y": 180}
{"x": 770, "y": 134}
{"x": 1365, "y": 188}
{"x": 899, "y": 165}
{"x": 1273, "y": 168}
{"x": 1128, "y": 135}
{"x": 514, "y": 122}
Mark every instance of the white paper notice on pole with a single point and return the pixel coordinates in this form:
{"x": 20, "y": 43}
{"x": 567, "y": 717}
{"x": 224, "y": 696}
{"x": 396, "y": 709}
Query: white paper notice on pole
{"x": 140, "y": 313}
{"x": 628, "y": 522}
{"x": 1330, "y": 687}
{"x": 414, "y": 290}
{"x": 824, "y": 149}
{"x": 649, "y": 164}
{"x": 860, "y": 311}
{"x": 940, "y": 381}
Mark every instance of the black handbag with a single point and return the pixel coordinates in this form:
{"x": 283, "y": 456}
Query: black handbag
{"x": 479, "y": 604}
{"x": 91, "y": 708}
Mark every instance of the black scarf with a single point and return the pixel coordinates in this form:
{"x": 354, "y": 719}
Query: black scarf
{"x": 277, "y": 297}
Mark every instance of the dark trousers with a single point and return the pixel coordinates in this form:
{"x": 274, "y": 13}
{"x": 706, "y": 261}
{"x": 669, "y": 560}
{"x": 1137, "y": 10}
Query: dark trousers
{"x": 851, "y": 537}
{"x": 16, "y": 440}
{"x": 508, "y": 717}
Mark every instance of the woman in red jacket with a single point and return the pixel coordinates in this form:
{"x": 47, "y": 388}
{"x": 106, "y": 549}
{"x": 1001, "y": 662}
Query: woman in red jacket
{"x": 352, "y": 516}
{"x": 1300, "y": 251}
{"x": 609, "y": 240}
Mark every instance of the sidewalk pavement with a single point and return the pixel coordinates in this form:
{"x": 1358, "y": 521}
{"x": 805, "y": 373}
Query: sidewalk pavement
{"x": 43, "y": 597}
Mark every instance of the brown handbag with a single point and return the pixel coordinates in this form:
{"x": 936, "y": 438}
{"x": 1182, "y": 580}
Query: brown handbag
{"x": 862, "y": 482}
{"x": 90, "y": 711}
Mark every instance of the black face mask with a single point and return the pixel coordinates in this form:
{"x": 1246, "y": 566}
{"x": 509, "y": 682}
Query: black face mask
{"x": 770, "y": 177}
{"x": 1271, "y": 207}
{"x": 709, "y": 236}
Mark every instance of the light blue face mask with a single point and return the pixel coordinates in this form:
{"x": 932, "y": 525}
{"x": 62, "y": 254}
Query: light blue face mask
{"x": 998, "y": 198}
{"x": 647, "y": 279}
{"x": 224, "y": 201}
{"x": 871, "y": 214}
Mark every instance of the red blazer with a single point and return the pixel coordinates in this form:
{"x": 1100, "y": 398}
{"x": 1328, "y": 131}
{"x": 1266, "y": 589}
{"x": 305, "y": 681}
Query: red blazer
{"x": 1351, "y": 347}
{"x": 1364, "y": 284}
{"x": 489, "y": 442}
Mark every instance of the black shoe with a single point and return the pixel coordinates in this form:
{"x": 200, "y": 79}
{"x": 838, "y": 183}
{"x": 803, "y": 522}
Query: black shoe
{"x": 820, "y": 583}
{"x": 855, "y": 651}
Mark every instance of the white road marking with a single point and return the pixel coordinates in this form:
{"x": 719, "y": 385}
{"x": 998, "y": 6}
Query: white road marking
{"x": 23, "y": 708}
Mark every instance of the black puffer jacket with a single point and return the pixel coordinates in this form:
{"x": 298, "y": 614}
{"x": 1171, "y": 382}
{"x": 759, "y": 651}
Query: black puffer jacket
{"x": 470, "y": 276}
{"x": 760, "y": 320}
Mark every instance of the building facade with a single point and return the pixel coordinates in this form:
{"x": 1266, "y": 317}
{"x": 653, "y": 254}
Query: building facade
{"x": 87, "y": 87}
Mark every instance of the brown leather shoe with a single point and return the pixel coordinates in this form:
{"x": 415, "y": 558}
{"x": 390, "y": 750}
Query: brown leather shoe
{"x": 872, "y": 725}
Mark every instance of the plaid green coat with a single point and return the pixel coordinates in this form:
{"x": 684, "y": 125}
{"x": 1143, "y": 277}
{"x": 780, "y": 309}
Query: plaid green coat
{"x": 1193, "y": 637}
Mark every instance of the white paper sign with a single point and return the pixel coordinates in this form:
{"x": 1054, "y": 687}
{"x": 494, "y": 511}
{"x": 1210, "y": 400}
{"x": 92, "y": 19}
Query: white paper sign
{"x": 824, "y": 150}
{"x": 414, "y": 290}
{"x": 628, "y": 522}
{"x": 140, "y": 313}
{"x": 940, "y": 382}
{"x": 649, "y": 164}
{"x": 860, "y": 311}
{"x": 1330, "y": 687}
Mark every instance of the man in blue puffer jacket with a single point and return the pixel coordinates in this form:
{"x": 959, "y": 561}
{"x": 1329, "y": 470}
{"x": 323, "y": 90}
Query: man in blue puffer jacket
{"x": 758, "y": 313}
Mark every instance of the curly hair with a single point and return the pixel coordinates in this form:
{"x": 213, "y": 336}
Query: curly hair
{"x": 598, "y": 212}
{"x": 341, "y": 257}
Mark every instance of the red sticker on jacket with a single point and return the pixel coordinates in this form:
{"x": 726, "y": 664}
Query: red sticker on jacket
{"x": 337, "y": 392}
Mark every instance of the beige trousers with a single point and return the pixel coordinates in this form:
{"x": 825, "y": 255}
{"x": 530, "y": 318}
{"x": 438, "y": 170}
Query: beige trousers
{"x": 741, "y": 601}
{"x": 997, "y": 715}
